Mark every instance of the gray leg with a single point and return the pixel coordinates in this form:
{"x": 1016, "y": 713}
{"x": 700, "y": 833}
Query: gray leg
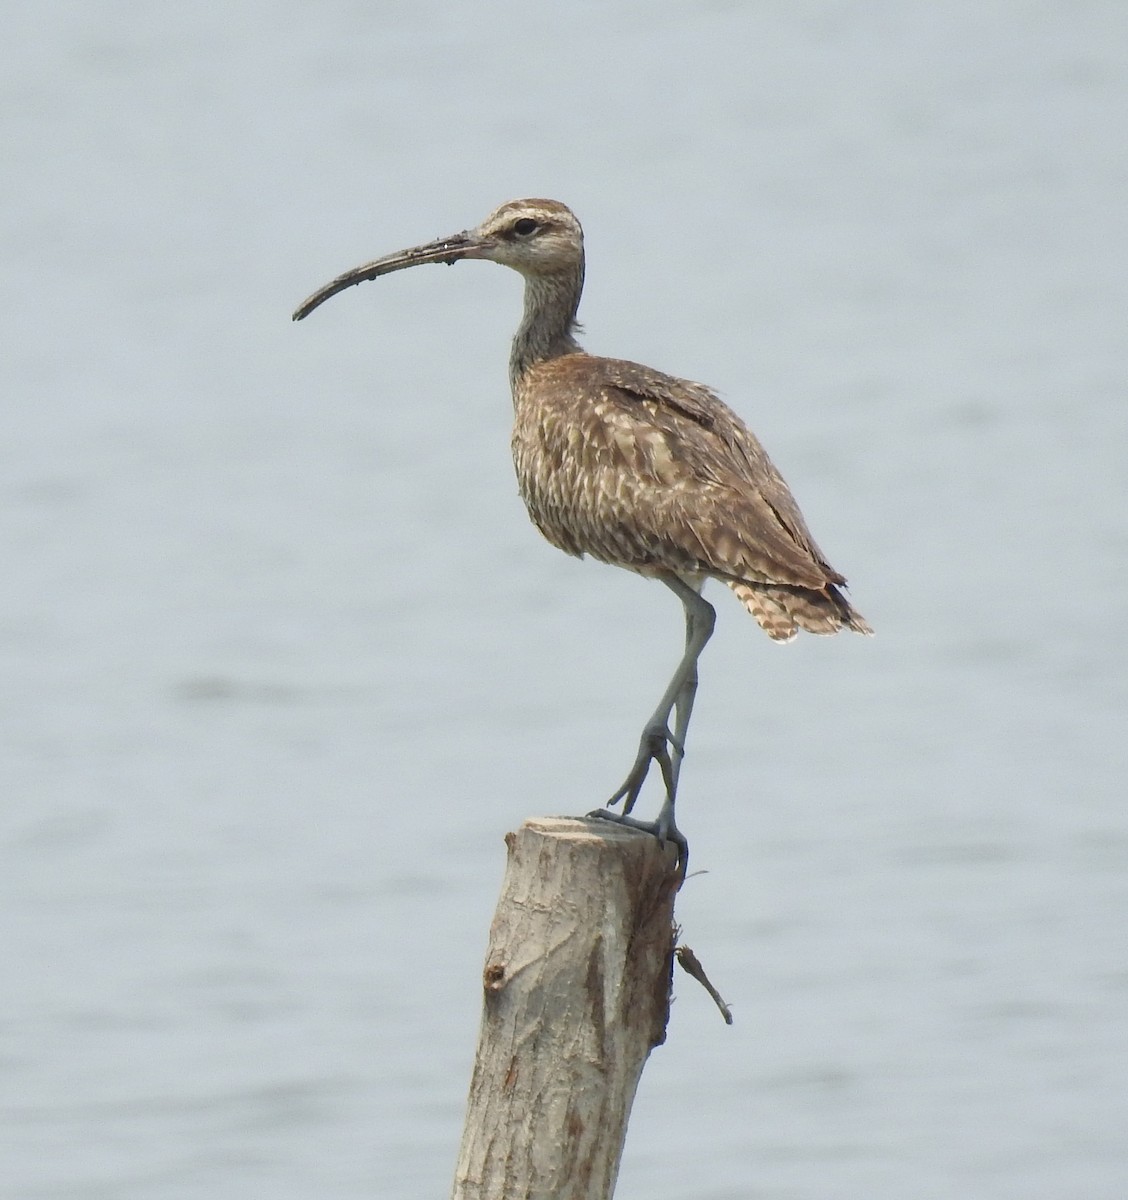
{"x": 683, "y": 705}
{"x": 657, "y": 741}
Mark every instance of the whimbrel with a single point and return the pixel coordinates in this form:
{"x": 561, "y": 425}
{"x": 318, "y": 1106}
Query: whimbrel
{"x": 638, "y": 469}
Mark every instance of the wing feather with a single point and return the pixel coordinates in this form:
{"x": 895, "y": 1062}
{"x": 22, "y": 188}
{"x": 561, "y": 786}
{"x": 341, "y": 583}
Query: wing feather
{"x": 641, "y": 468}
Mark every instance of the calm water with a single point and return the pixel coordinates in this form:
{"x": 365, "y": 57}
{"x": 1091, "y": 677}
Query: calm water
{"x": 282, "y": 659}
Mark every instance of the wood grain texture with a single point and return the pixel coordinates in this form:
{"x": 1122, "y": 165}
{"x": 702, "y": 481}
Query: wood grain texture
{"x": 576, "y": 994}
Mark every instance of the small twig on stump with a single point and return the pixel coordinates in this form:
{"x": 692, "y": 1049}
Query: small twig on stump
{"x": 691, "y": 965}
{"x": 577, "y": 993}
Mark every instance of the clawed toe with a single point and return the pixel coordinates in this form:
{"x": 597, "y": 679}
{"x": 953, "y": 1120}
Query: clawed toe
{"x": 653, "y": 747}
{"x": 663, "y": 829}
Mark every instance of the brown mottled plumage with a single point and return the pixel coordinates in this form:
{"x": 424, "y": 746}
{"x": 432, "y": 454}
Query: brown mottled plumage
{"x": 638, "y": 469}
{"x": 656, "y": 474}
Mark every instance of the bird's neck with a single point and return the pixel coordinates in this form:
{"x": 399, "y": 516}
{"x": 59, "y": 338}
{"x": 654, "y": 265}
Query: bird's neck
{"x": 548, "y": 325}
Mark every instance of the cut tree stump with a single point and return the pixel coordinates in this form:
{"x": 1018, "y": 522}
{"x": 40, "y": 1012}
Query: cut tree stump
{"x": 577, "y": 993}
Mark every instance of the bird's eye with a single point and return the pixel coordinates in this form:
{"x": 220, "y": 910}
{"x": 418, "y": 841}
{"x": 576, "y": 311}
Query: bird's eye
{"x": 525, "y": 226}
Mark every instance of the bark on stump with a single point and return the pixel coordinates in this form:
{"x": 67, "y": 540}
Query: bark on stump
{"x": 577, "y": 993}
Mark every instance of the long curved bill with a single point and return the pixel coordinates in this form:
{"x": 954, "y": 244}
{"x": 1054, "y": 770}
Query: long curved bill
{"x": 446, "y": 250}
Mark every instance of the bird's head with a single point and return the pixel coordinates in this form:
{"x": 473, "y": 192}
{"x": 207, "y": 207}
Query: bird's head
{"x": 538, "y": 238}
{"x": 534, "y": 237}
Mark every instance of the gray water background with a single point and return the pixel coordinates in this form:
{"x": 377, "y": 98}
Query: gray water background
{"x": 281, "y": 658}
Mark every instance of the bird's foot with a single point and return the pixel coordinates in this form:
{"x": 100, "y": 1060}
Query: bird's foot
{"x": 663, "y": 829}
{"x": 653, "y": 746}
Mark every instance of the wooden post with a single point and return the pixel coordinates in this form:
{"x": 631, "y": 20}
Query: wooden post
{"x": 577, "y": 993}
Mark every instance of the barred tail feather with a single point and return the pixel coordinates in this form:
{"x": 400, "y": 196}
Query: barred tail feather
{"x": 781, "y": 611}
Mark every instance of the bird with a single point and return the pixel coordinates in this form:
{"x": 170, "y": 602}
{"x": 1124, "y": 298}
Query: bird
{"x": 638, "y": 469}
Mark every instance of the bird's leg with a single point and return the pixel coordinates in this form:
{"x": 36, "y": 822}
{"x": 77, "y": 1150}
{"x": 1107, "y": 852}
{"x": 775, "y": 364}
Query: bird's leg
{"x": 657, "y": 740}
{"x": 699, "y": 621}
{"x": 683, "y": 704}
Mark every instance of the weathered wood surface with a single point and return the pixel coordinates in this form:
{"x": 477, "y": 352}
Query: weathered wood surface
{"x": 577, "y": 993}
